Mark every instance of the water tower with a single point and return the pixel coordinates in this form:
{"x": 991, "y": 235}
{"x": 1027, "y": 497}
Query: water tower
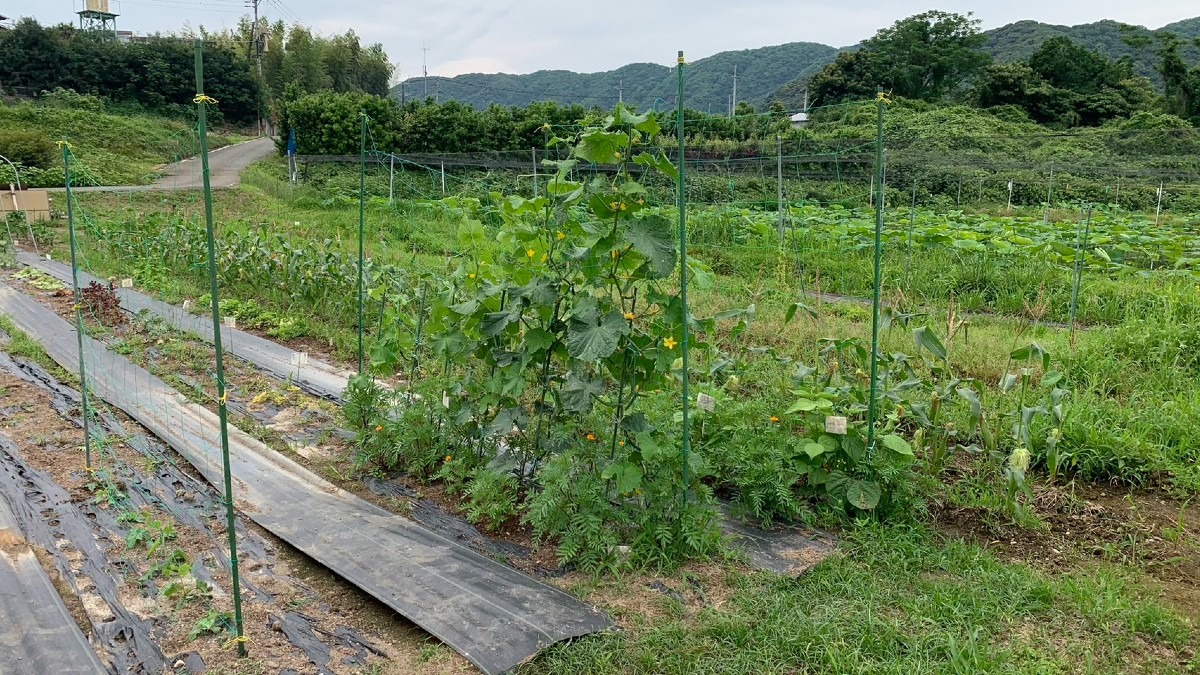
{"x": 95, "y": 15}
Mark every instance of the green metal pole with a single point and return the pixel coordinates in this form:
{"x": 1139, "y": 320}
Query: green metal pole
{"x": 1081, "y": 238}
{"x": 83, "y": 388}
{"x": 687, "y": 430}
{"x": 214, "y": 292}
{"x": 362, "y": 220}
{"x": 879, "y": 195}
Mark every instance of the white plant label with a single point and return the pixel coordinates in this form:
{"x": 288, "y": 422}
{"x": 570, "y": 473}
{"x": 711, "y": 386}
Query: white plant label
{"x": 230, "y": 322}
{"x": 187, "y": 305}
{"x": 446, "y": 400}
{"x": 299, "y": 358}
{"x": 706, "y": 403}
{"x": 835, "y": 425}
{"x": 127, "y": 283}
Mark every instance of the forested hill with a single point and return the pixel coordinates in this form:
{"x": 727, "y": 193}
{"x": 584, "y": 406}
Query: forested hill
{"x": 768, "y": 73}
{"x": 709, "y": 82}
{"x": 1017, "y": 41}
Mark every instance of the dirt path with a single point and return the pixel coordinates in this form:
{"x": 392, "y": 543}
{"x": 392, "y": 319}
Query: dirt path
{"x": 225, "y": 167}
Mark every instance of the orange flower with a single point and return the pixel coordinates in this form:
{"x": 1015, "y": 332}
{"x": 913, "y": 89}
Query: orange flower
{"x": 670, "y": 343}
{"x": 630, "y": 316}
{"x": 449, "y": 459}
{"x": 591, "y": 438}
{"x": 774, "y": 419}
{"x": 378, "y": 427}
{"x": 621, "y": 443}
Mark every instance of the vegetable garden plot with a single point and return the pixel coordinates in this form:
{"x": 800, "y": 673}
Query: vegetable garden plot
{"x": 38, "y": 634}
{"x": 496, "y": 617}
{"x": 314, "y": 376}
{"x": 789, "y": 550}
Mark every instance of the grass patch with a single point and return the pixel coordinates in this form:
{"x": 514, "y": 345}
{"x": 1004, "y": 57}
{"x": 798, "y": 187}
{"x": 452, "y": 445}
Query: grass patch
{"x": 897, "y": 599}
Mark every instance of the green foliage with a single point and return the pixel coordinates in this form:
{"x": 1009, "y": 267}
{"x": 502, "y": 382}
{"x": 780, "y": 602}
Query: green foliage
{"x": 1066, "y": 85}
{"x": 109, "y": 148}
{"x": 760, "y": 73}
{"x": 214, "y": 622}
{"x": 29, "y": 148}
{"x": 155, "y": 74}
{"x": 329, "y": 124}
{"x": 491, "y": 497}
{"x": 925, "y": 57}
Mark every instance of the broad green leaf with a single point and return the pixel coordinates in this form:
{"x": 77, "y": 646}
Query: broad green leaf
{"x": 897, "y": 445}
{"x": 659, "y": 163}
{"x": 1033, "y": 351}
{"x": 814, "y": 450}
{"x": 591, "y": 340}
{"x": 494, "y": 323}
{"x": 601, "y": 147}
{"x": 1008, "y": 382}
{"x": 628, "y": 476}
{"x": 802, "y": 405}
{"x": 579, "y": 392}
{"x": 537, "y": 339}
{"x": 863, "y": 494}
{"x": 652, "y": 237}
{"x": 927, "y": 339}
{"x": 836, "y": 484}
{"x": 792, "y": 308}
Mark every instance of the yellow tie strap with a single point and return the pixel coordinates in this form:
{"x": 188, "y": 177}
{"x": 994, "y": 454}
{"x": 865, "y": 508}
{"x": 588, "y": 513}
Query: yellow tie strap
{"x": 201, "y": 98}
{"x": 883, "y": 98}
{"x": 62, "y": 144}
{"x": 241, "y": 639}
{"x": 223, "y": 399}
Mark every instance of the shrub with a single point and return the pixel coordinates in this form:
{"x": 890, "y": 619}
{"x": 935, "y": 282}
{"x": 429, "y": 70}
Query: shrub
{"x": 28, "y": 148}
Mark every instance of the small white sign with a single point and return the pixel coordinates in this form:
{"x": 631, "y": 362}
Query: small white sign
{"x": 299, "y": 358}
{"x": 446, "y": 400}
{"x": 187, "y": 305}
{"x": 127, "y": 283}
{"x": 835, "y": 425}
{"x": 706, "y": 402}
{"x": 48, "y": 257}
{"x": 230, "y": 322}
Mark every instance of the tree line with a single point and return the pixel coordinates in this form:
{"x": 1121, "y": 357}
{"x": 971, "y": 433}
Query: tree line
{"x": 156, "y": 74}
{"x": 936, "y": 57}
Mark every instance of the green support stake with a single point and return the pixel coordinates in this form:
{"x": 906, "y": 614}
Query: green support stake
{"x": 1081, "y": 242}
{"x": 83, "y": 388}
{"x": 683, "y": 342}
{"x": 362, "y": 220}
{"x": 881, "y": 101}
{"x": 202, "y": 102}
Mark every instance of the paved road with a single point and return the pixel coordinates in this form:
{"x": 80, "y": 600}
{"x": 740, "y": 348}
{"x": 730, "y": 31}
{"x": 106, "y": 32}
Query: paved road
{"x": 225, "y": 167}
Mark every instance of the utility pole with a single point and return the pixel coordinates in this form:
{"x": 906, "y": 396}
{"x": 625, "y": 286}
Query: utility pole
{"x": 733, "y": 98}
{"x": 438, "y": 97}
{"x": 425, "y": 68}
{"x": 621, "y": 92}
{"x": 255, "y": 49}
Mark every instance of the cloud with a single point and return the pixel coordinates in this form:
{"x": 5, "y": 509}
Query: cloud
{"x": 527, "y": 35}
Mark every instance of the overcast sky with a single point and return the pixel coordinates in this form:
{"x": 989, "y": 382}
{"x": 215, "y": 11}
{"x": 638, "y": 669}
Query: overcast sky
{"x": 521, "y": 36}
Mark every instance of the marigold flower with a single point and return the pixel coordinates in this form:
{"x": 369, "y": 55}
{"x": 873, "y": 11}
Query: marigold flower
{"x": 449, "y": 459}
{"x": 378, "y": 427}
{"x": 774, "y": 418}
{"x": 630, "y": 316}
{"x": 670, "y": 343}
{"x": 561, "y": 236}
{"x": 591, "y": 438}
{"x": 621, "y": 443}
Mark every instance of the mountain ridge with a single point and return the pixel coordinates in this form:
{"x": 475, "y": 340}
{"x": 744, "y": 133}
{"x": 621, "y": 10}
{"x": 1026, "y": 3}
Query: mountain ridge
{"x": 765, "y": 74}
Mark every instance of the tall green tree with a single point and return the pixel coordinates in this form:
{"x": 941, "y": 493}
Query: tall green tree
{"x": 926, "y": 57}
